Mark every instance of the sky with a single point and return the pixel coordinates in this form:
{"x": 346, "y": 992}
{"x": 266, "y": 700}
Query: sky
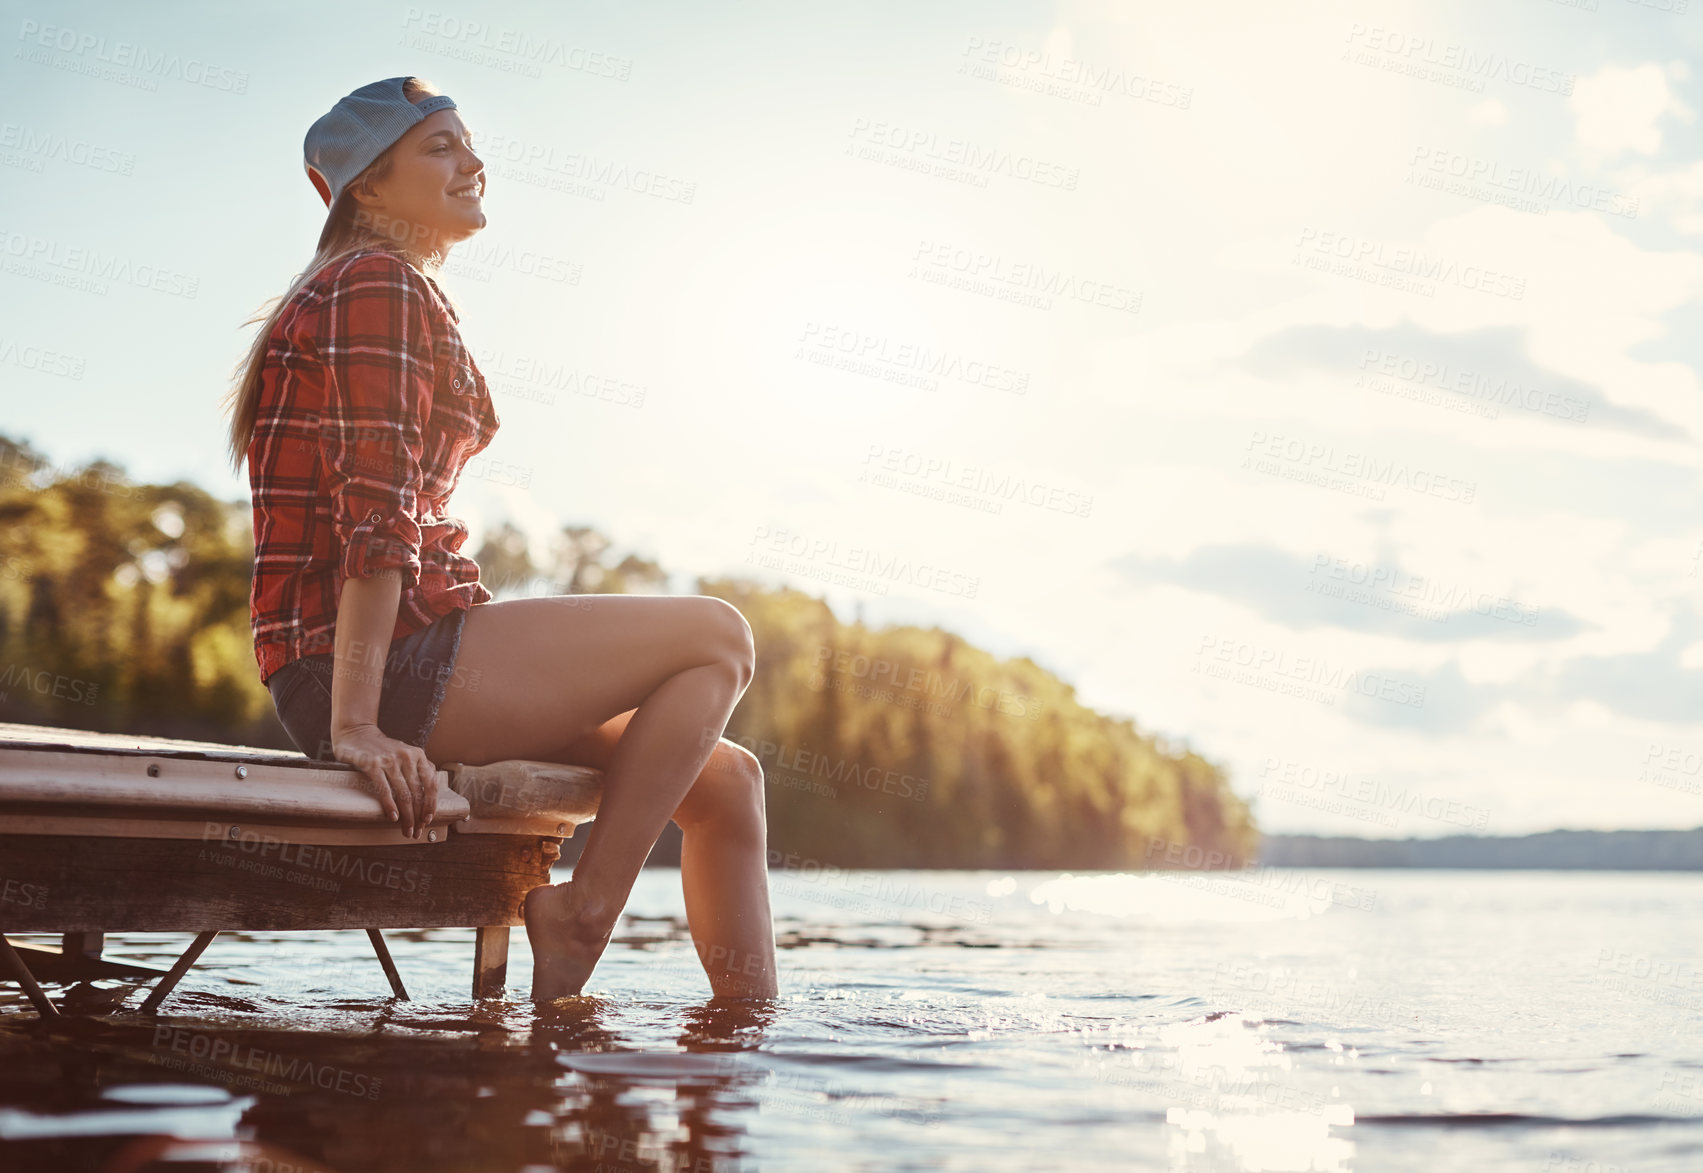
{"x": 1310, "y": 383}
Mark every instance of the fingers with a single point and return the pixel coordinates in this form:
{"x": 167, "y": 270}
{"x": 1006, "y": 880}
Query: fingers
{"x": 420, "y": 783}
{"x": 397, "y": 774}
{"x": 374, "y": 774}
{"x": 429, "y": 788}
{"x": 390, "y": 781}
{"x": 372, "y": 768}
{"x": 403, "y": 778}
{"x": 408, "y": 768}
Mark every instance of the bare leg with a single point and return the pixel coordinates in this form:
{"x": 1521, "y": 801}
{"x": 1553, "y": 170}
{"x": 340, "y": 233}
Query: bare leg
{"x": 723, "y": 864}
{"x": 654, "y": 764}
{"x": 554, "y": 672}
{"x": 724, "y": 875}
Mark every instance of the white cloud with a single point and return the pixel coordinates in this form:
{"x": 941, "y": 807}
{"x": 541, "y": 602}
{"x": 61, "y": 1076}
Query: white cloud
{"x": 1617, "y": 108}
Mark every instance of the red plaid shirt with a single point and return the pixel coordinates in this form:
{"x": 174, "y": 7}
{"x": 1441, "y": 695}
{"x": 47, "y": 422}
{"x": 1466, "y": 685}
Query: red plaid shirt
{"x": 369, "y": 407}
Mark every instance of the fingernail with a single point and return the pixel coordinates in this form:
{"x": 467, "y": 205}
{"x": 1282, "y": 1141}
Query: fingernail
{"x": 393, "y": 816}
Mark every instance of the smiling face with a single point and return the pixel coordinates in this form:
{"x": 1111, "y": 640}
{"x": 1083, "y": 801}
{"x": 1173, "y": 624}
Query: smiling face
{"x": 431, "y": 197}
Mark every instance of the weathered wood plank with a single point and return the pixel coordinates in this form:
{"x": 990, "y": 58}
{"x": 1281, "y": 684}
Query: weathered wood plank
{"x": 57, "y": 737}
{"x": 526, "y": 797}
{"x": 102, "y": 827}
{"x": 40, "y": 781}
{"x": 185, "y": 885}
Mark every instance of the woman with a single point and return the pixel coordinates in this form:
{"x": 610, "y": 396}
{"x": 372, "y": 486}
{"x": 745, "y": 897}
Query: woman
{"x": 356, "y": 409}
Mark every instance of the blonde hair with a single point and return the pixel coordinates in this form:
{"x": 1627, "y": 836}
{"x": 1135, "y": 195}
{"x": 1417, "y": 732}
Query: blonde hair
{"x": 346, "y": 231}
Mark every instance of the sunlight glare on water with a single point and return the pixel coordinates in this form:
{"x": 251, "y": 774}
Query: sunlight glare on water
{"x": 1330, "y": 1020}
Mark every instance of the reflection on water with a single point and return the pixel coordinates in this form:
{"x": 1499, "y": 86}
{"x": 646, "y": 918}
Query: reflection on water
{"x": 394, "y": 1086}
{"x": 1350, "y": 1020}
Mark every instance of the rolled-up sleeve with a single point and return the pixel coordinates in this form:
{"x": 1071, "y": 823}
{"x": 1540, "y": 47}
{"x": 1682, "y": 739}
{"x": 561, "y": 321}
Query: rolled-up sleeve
{"x": 375, "y": 341}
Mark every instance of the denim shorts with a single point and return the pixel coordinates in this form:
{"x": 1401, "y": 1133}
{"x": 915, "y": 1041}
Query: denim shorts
{"x": 416, "y": 672}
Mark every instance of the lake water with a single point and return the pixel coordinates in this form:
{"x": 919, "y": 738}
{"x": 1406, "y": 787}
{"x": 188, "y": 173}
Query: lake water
{"x": 1320, "y": 1020}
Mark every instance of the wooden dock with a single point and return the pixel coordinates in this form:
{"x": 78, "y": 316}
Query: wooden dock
{"x": 104, "y": 832}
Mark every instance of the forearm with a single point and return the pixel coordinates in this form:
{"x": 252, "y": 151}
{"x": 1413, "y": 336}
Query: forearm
{"x": 366, "y": 615}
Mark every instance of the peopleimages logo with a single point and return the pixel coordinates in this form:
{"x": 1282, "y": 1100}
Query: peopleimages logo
{"x": 1494, "y": 389}
{"x": 89, "y": 267}
{"x": 919, "y": 364}
{"x": 974, "y": 158}
{"x": 598, "y": 173}
{"x": 42, "y": 145}
{"x": 1264, "y": 452}
{"x": 1275, "y": 669}
{"x": 1464, "y": 61}
{"x": 1066, "y": 76}
{"x": 880, "y": 567}
{"x": 893, "y": 674}
{"x": 977, "y": 479}
{"x": 1476, "y": 175}
{"x": 228, "y": 1056}
{"x": 129, "y": 55}
{"x": 1301, "y": 782}
{"x": 1324, "y": 249}
{"x": 1435, "y": 599}
{"x": 44, "y": 683}
{"x": 978, "y": 272}
{"x": 483, "y": 43}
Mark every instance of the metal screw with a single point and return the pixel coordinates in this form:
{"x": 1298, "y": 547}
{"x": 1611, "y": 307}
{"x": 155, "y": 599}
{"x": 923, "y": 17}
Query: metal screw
{"x": 561, "y": 828}
{"x": 236, "y": 831}
{"x": 431, "y": 836}
{"x": 153, "y": 770}
{"x": 242, "y": 771}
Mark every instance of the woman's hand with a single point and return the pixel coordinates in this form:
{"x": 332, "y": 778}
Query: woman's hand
{"x": 402, "y": 774}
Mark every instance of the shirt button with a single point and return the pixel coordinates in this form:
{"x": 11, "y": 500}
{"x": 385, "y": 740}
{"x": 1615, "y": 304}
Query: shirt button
{"x": 456, "y": 383}
{"x": 375, "y": 517}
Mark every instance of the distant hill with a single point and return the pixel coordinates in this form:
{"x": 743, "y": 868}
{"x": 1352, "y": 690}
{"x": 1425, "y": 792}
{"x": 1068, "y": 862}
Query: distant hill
{"x": 1586, "y": 850}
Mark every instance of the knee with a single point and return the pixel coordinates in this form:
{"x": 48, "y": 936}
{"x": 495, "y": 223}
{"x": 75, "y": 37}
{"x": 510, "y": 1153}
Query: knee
{"x": 733, "y": 641}
{"x": 727, "y": 794}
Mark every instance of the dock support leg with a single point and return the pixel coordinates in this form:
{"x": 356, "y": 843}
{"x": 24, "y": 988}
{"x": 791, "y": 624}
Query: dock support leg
{"x": 490, "y": 961}
{"x": 383, "y": 952}
{"x": 178, "y": 969}
{"x": 85, "y": 945}
{"x": 21, "y": 974}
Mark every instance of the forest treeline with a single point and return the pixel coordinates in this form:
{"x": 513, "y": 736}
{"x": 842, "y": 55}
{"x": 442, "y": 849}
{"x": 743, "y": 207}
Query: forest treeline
{"x": 124, "y": 607}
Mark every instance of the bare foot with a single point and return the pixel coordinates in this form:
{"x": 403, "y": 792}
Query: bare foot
{"x": 566, "y": 943}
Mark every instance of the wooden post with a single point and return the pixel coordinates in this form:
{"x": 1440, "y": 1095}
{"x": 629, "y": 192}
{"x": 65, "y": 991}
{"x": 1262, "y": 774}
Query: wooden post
{"x": 84, "y": 945}
{"x": 490, "y": 961}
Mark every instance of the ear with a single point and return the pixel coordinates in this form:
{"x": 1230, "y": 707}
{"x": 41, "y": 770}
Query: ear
{"x": 361, "y": 190}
